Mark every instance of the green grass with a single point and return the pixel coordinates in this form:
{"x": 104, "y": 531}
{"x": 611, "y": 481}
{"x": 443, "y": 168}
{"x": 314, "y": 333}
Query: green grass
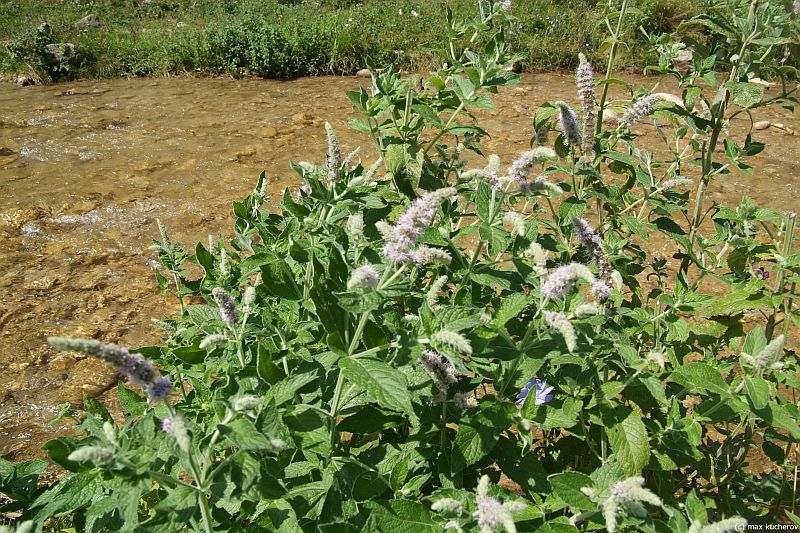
{"x": 280, "y": 39}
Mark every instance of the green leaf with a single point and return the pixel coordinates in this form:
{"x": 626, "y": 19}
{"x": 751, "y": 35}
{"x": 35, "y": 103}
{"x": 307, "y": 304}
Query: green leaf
{"x": 99, "y": 514}
{"x": 204, "y": 259}
{"x": 483, "y": 200}
{"x": 93, "y": 406}
{"x": 735, "y": 302}
{"x": 778, "y": 416}
{"x": 265, "y": 366}
{"x": 370, "y": 419}
{"x": 19, "y": 482}
{"x": 190, "y": 354}
{"x": 511, "y": 306}
{"x": 58, "y": 450}
{"x": 428, "y": 114}
{"x": 180, "y": 504}
{"x": 402, "y": 516}
{"x": 568, "y": 485}
{"x": 625, "y": 159}
{"x": 243, "y": 434}
{"x": 757, "y": 392}
{"x": 630, "y": 443}
{"x": 382, "y": 383}
{"x": 278, "y": 280}
{"x": 699, "y": 377}
{"x": 131, "y": 402}
{"x": 404, "y": 164}
{"x": 457, "y": 318}
{"x": 68, "y": 495}
{"x": 286, "y": 389}
{"x": 745, "y": 94}
{"x": 551, "y": 417}
{"x": 471, "y": 444}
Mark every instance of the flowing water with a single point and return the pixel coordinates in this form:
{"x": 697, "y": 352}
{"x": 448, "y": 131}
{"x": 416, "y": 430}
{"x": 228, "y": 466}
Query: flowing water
{"x": 86, "y": 167}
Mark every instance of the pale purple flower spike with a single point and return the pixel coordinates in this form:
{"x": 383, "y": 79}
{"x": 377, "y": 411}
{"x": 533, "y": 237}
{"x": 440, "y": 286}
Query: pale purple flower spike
{"x": 364, "y": 277}
{"x": 569, "y": 124}
{"x": 402, "y": 237}
{"x": 441, "y": 371}
{"x": 591, "y": 241}
{"x": 227, "y": 306}
{"x": 543, "y": 393}
{"x": 133, "y": 366}
{"x": 490, "y": 513}
{"x": 642, "y": 108}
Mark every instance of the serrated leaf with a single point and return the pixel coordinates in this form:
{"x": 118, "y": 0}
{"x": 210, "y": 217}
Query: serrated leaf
{"x": 483, "y": 200}
{"x": 511, "y": 306}
{"x": 471, "y": 444}
{"x": 757, "y": 392}
{"x": 699, "y": 377}
{"x": 244, "y": 434}
{"x": 278, "y": 279}
{"x": 402, "y": 516}
{"x": 180, "y": 504}
{"x": 568, "y": 485}
{"x": 778, "y": 416}
{"x": 131, "y": 403}
{"x": 286, "y": 389}
{"x": 382, "y": 383}
{"x": 630, "y": 443}
{"x": 404, "y": 164}
{"x": 551, "y": 417}
{"x": 745, "y": 94}
{"x": 456, "y": 318}
{"x": 204, "y": 259}
{"x": 68, "y": 495}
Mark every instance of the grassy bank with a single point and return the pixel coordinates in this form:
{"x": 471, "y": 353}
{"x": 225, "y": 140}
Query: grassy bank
{"x": 289, "y": 38}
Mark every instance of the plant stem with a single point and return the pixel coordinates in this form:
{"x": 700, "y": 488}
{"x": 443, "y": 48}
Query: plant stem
{"x": 610, "y": 67}
{"x": 787, "y": 248}
{"x": 441, "y": 133}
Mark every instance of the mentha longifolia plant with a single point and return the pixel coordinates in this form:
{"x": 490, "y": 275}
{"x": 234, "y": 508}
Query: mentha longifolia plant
{"x": 421, "y": 346}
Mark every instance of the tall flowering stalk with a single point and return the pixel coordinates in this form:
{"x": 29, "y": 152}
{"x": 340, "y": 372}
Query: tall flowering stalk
{"x": 569, "y": 124}
{"x": 561, "y": 280}
{"x": 559, "y": 322}
{"x": 364, "y": 277}
{"x": 401, "y": 238}
{"x": 334, "y": 156}
{"x": 521, "y": 168}
{"x": 227, "y": 306}
{"x": 591, "y": 242}
{"x": 584, "y": 80}
{"x": 133, "y": 366}
{"x": 640, "y": 109}
{"x": 442, "y": 373}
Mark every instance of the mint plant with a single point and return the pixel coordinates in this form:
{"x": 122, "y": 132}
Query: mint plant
{"x": 423, "y": 345}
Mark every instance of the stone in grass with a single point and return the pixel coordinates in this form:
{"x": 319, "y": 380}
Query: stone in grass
{"x": 88, "y": 22}
{"x": 58, "y": 54}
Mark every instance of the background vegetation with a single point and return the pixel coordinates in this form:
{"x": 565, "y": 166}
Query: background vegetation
{"x": 278, "y": 38}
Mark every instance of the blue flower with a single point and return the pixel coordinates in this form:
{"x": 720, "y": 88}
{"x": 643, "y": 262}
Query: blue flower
{"x": 543, "y": 393}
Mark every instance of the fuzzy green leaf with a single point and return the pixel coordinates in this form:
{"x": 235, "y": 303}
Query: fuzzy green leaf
{"x": 511, "y": 306}
{"x": 402, "y": 516}
{"x": 382, "y": 383}
{"x": 471, "y": 444}
{"x": 568, "y": 485}
{"x": 699, "y": 377}
{"x": 630, "y": 443}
